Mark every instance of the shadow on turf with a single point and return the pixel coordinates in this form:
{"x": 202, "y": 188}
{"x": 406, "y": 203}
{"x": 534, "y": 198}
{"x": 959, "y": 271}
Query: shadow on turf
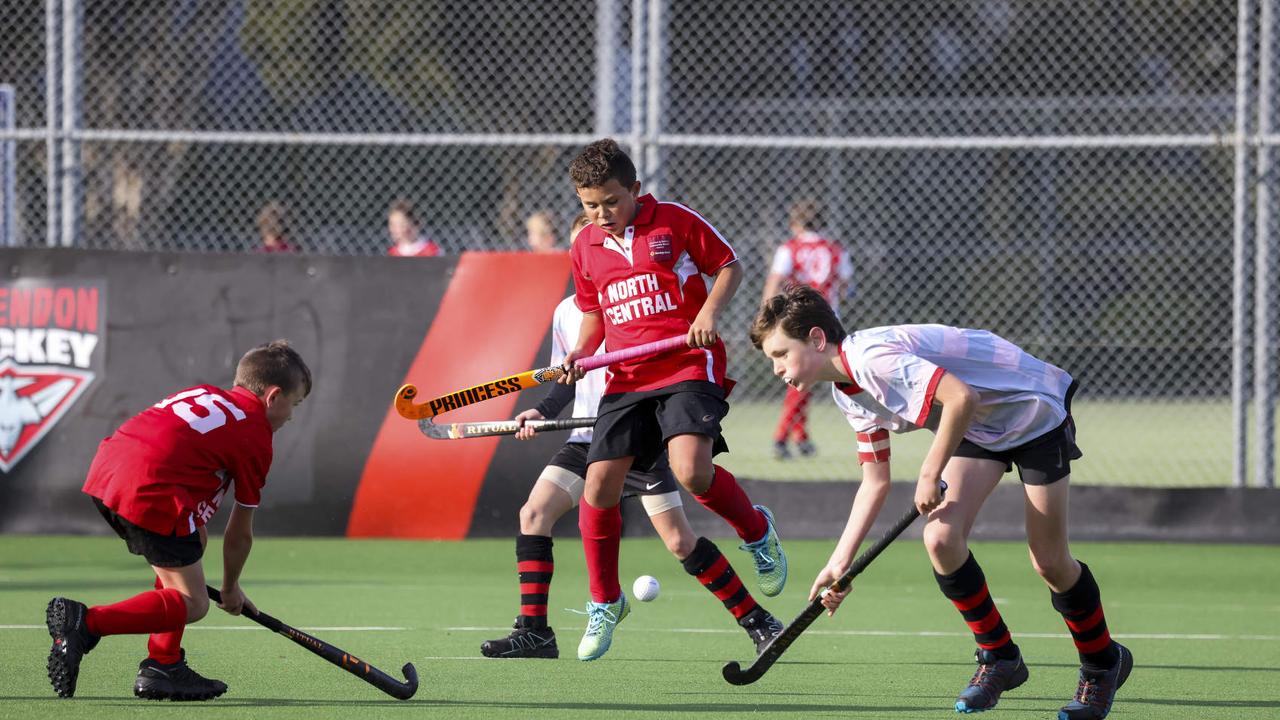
{"x": 1033, "y": 664}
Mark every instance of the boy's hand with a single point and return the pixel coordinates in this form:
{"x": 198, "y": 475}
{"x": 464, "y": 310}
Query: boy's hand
{"x": 928, "y": 494}
{"x": 572, "y": 373}
{"x": 703, "y": 330}
{"x": 832, "y": 599}
{"x": 525, "y": 432}
{"x": 234, "y": 600}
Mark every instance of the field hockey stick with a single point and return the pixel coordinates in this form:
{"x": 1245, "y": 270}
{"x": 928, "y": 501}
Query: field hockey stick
{"x": 525, "y": 380}
{"x": 464, "y": 430}
{"x": 337, "y": 656}
{"x": 734, "y": 673}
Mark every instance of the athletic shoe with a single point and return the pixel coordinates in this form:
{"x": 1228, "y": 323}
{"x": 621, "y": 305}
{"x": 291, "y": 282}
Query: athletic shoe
{"x": 601, "y": 619}
{"x": 524, "y": 642}
{"x": 806, "y": 448}
{"x": 157, "y": 681}
{"x": 994, "y": 677}
{"x": 770, "y": 560}
{"x": 71, "y": 642}
{"x": 761, "y": 626}
{"x": 780, "y": 451}
{"x": 1096, "y": 690}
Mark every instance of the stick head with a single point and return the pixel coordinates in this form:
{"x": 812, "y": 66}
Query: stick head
{"x": 411, "y": 683}
{"x": 405, "y": 406}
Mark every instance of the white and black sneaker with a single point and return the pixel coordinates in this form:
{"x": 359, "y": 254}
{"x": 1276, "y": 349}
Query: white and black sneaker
{"x": 525, "y": 641}
{"x": 157, "y": 681}
{"x": 761, "y": 626}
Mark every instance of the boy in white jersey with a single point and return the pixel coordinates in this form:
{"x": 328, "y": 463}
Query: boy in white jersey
{"x": 991, "y": 406}
{"x": 558, "y": 490}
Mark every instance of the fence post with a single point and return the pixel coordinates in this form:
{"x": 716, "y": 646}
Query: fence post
{"x": 51, "y": 122}
{"x": 71, "y": 170}
{"x": 1264, "y": 344}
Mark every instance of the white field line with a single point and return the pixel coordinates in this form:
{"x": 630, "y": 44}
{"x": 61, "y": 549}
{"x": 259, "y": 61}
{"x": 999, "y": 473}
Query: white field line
{"x": 336, "y": 628}
{"x": 929, "y": 633}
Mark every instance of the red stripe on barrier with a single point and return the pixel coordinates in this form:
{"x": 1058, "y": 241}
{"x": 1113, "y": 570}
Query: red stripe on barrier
{"x": 491, "y": 322}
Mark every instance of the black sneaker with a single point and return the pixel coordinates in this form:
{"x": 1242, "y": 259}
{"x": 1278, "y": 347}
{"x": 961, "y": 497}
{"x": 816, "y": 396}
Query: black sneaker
{"x": 994, "y": 676}
{"x": 806, "y": 449}
{"x": 1096, "y": 691}
{"x": 525, "y": 641}
{"x": 761, "y": 626}
{"x": 71, "y": 642}
{"x": 157, "y": 681}
{"x": 780, "y": 451}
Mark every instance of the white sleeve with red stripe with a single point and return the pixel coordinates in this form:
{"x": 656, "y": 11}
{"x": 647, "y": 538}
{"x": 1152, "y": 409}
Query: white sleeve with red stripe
{"x": 873, "y": 447}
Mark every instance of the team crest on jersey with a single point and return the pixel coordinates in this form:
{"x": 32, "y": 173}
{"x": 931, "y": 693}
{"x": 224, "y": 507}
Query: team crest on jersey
{"x": 51, "y": 349}
{"x": 660, "y": 248}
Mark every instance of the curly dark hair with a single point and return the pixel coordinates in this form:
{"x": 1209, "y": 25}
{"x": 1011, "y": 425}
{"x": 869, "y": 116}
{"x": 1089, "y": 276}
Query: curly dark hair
{"x": 796, "y": 309}
{"x": 599, "y": 162}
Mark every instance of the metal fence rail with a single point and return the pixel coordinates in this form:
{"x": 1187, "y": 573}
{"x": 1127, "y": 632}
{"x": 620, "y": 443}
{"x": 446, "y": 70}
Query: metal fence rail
{"x": 1093, "y": 181}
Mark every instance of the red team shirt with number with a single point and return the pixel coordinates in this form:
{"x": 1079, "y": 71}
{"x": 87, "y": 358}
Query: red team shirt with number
{"x": 167, "y": 468}
{"x": 816, "y": 261}
{"x": 652, "y": 292}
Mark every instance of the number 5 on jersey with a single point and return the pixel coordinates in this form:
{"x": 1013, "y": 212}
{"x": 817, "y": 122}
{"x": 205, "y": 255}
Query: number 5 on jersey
{"x": 215, "y": 417}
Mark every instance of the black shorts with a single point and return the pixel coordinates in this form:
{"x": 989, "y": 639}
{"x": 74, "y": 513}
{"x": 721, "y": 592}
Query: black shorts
{"x": 1044, "y": 460}
{"x": 159, "y": 550}
{"x": 640, "y": 423}
{"x": 572, "y": 458}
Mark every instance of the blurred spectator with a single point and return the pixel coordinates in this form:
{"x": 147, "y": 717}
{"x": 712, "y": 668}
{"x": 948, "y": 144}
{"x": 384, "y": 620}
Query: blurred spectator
{"x": 811, "y": 259}
{"x": 406, "y": 237}
{"x": 273, "y": 229}
{"x": 579, "y": 222}
{"x": 540, "y": 232}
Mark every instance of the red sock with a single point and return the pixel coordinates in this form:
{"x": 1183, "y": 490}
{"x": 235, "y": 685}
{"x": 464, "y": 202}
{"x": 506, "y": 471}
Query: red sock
{"x": 727, "y": 500}
{"x": 166, "y": 648}
{"x": 601, "y": 532}
{"x": 154, "y": 611}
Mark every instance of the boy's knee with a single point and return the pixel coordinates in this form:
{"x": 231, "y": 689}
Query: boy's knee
{"x": 693, "y": 478}
{"x": 942, "y": 540}
{"x": 197, "y": 607}
{"x": 1055, "y": 566}
{"x": 531, "y": 519}
{"x": 681, "y": 546}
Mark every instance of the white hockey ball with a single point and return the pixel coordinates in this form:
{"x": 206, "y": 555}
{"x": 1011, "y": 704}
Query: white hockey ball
{"x": 645, "y": 588}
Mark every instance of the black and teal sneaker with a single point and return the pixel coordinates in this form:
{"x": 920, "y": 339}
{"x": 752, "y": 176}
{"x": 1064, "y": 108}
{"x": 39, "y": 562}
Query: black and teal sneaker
{"x": 761, "y": 626}
{"x": 1097, "y": 690}
{"x": 525, "y": 641}
{"x": 994, "y": 677}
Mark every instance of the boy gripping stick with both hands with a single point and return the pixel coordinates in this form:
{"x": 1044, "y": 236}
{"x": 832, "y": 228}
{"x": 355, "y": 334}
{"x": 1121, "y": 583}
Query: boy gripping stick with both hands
{"x": 157, "y": 481}
{"x": 559, "y": 488}
{"x": 991, "y": 406}
{"x": 638, "y": 277}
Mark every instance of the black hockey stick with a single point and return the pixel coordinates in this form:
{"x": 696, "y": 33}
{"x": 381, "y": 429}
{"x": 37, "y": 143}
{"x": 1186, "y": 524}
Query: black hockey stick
{"x": 734, "y": 673}
{"x": 464, "y": 430}
{"x": 337, "y": 656}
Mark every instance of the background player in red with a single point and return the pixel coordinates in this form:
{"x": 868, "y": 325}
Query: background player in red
{"x": 157, "y": 481}
{"x": 559, "y": 488}
{"x": 405, "y": 231}
{"x": 638, "y": 277}
{"x": 991, "y": 406}
{"x": 807, "y": 258}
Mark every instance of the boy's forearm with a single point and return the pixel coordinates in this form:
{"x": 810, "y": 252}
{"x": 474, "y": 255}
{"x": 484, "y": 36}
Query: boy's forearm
{"x": 590, "y": 334}
{"x": 728, "y": 278}
{"x": 235, "y": 553}
{"x": 867, "y": 502}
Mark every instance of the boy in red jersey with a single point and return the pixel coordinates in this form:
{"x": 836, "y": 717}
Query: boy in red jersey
{"x": 157, "y": 481}
{"x": 807, "y": 258}
{"x": 638, "y": 276}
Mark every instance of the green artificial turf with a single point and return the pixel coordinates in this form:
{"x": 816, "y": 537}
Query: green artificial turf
{"x": 1203, "y": 623}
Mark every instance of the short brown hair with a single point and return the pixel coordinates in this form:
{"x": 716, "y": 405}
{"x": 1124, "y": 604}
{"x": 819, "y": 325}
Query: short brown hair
{"x": 601, "y": 161}
{"x": 274, "y": 363}
{"x": 805, "y": 213}
{"x": 405, "y": 208}
{"x": 796, "y": 309}
{"x": 273, "y": 220}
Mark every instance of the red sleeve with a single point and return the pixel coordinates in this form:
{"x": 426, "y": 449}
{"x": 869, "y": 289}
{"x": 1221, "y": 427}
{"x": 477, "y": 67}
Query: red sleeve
{"x": 585, "y": 295}
{"x": 707, "y": 247}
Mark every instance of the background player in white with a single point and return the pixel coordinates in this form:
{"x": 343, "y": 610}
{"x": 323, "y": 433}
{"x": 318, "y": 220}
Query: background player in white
{"x": 559, "y": 488}
{"x": 991, "y": 406}
{"x": 806, "y": 258}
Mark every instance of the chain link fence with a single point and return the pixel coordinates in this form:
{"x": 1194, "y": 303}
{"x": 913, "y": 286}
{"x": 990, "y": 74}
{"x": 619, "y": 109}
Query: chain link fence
{"x": 1090, "y": 180}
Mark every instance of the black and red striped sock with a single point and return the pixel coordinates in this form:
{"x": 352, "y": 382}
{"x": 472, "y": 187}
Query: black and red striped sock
{"x": 713, "y": 570}
{"x": 966, "y": 588}
{"x": 1081, "y": 607}
{"x": 535, "y": 565}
